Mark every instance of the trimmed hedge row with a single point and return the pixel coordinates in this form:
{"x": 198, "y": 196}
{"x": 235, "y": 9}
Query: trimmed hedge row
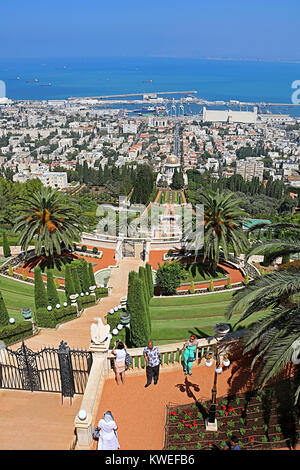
{"x": 49, "y": 319}
{"x": 12, "y": 333}
{"x": 113, "y": 321}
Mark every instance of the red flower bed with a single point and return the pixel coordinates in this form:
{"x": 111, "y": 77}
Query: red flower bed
{"x": 258, "y": 420}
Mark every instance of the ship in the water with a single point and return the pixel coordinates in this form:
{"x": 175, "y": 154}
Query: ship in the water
{"x": 149, "y": 109}
{"x": 147, "y": 81}
{"x": 46, "y": 84}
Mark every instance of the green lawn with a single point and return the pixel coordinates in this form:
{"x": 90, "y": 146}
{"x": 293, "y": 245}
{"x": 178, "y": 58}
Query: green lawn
{"x": 174, "y": 319}
{"x": 18, "y": 295}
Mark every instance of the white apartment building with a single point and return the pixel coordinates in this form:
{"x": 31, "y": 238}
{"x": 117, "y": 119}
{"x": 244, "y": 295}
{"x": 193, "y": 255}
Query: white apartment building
{"x": 129, "y": 128}
{"x": 250, "y": 168}
{"x": 54, "y": 179}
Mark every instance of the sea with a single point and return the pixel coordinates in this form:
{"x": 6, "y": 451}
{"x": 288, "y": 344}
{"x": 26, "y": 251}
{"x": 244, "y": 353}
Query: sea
{"x": 214, "y": 79}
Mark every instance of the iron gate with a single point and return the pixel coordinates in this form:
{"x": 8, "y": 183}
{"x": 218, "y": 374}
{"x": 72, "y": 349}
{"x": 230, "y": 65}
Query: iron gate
{"x": 59, "y": 370}
{"x": 128, "y": 249}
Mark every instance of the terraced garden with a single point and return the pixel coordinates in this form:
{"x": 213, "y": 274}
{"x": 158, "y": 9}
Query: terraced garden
{"x": 18, "y": 295}
{"x": 175, "y": 318}
{"x": 170, "y": 197}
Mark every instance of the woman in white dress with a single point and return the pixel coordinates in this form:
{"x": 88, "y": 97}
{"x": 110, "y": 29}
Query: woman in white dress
{"x": 108, "y": 438}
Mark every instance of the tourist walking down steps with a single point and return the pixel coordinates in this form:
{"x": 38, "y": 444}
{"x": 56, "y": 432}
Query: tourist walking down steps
{"x": 151, "y": 355}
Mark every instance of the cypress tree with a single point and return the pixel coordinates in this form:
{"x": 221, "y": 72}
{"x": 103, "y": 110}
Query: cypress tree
{"x": 146, "y": 295}
{"x": 86, "y": 277}
{"x": 150, "y": 279}
{"x": 69, "y": 285}
{"x": 91, "y": 275}
{"x": 53, "y": 298}
{"x": 4, "y": 317}
{"x": 138, "y": 315}
{"x": 76, "y": 280}
{"x": 144, "y": 278}
{"x": 6, "y": 247}
{"x": 40, "y": 294}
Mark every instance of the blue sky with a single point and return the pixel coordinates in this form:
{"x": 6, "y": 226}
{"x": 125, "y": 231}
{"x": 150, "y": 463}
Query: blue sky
{"x": 167, "y": 28}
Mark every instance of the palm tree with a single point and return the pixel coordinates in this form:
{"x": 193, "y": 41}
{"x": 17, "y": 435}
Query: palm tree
{"x": 286, "y": 242}
{"x": 223, "y": 225}
{"x": 49, "y": 221}
{"x": 276, "y": 337}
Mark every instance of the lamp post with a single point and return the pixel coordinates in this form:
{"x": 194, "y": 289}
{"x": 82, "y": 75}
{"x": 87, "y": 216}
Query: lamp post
{"x": 221, "y": 329}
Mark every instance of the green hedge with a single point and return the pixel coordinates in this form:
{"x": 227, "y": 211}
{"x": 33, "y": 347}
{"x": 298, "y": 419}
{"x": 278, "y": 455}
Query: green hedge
{"x": 11, "y": 333}
{"x": 49, "y": 319}
{"x": 101, "y": 292}
{"x": 113, "y": 321}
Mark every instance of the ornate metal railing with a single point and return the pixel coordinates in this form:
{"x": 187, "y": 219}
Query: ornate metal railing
{"x": 59, "y": 370}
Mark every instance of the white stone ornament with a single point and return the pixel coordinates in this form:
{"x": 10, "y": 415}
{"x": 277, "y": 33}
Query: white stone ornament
{"x": 115, "y": 331}
{"x": 109, "y": 336}
{"x": 208, "y": 363}
{"x": 116, "y": 309}
{"x": 65, "y": 304}
{"x": 226, "y": 363}
{"x": 120, "y": 327}
{"x": 11, "y": 321}
{"x": 82, "y": 414}
{"x": 99, "y": 331}
{"x": 111, "y": 311}
{"x": 218, "y": 370}
{"x": 49, "y": 308}
{"x": 57, "y": 305}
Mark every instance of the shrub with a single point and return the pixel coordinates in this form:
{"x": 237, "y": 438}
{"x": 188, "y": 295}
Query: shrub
{"x": 113, "y": 321}
{"x": 69, "y": 284}
{"x": 44, "y": 318}
{"x": 192, "y": 288}
{"x": 40, "y": 294}
{"x": 95, "y": 250}
{"x": 10, "y": 270}
{"x": 211, "y": 286}
{"x": 228, "y": 285}
{"x": 11, "y": 333}
{"x": 6, "y": 247}
{"x": 91, "y": 275}
{"x": 84, "y": 248}
{"x": 57, "y": 283}
{"x": 24, "y": 275}
{"x": 75, "y": 279}
{"x": 246, "y": 279}
{"x": 138, "y": 314}
{"x": 4, "y": 317}
{"x": 168, "y": 278}
{"x": 150, "y": 279}
{"x": 53, "y": 298}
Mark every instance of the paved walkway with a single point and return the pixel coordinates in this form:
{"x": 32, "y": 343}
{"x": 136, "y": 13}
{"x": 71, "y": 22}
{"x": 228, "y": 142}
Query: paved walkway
{"x": 37, "y": 420}
{"x": 140, "y": 412}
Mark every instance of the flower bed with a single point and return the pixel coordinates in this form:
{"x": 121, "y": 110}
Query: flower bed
{"x": 258, "y": 420}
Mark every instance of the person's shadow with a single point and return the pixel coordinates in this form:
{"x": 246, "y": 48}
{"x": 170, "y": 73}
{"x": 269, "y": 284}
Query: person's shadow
{"x": 188, "y": 387}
